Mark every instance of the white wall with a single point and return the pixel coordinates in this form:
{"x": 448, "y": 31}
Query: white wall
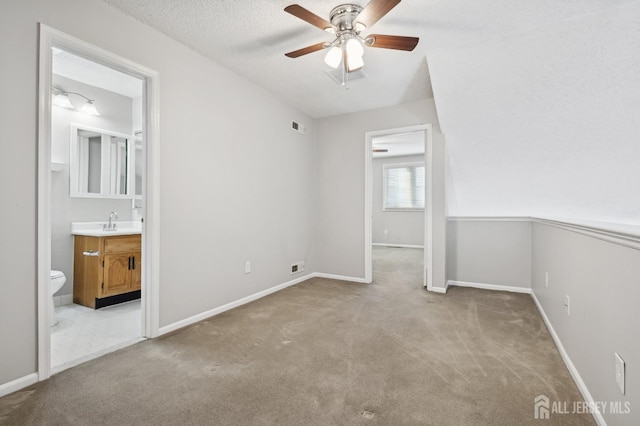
{"x": 115, "y": 115}
{"x": 602, "y": 279}
{"x": 494, "y": 252}
{"x": 229, "y": 167}
{"x": 340, "y": 180}
{"x": 544, "y": 121}
{"x": 403, "y": 227}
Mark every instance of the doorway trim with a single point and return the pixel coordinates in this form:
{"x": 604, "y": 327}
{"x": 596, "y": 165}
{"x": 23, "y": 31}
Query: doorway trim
{"x": 48, "y": 38}
{"x": 368, "y": 199}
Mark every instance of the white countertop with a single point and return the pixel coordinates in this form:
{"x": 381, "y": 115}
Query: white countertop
{"x": 95, "y": 229}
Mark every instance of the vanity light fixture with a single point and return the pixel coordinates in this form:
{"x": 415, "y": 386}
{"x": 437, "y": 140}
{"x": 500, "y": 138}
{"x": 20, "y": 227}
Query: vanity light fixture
{"x": 61, "y": 98}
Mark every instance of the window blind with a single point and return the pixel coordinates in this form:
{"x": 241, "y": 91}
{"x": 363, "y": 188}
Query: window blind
{"x": 404, "y": 186}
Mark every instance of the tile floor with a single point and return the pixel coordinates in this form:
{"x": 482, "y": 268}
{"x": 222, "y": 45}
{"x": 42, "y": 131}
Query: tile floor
{"x": 83, "y": 333}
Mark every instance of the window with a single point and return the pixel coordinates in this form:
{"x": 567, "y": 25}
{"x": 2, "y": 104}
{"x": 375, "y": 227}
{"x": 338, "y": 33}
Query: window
{"x": 403, "y": 186}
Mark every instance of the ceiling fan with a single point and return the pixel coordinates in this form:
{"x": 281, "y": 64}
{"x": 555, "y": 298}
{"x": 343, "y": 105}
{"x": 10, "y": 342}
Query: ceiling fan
{"x": 347, "y": 21}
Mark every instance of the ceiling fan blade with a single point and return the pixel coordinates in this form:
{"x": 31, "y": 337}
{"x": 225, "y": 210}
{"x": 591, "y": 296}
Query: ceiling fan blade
{"x": 310, "y": 17}
{"x": 375, "y": 10}
{"x": 306, "y": 50}
{"x": 392, "y": 42}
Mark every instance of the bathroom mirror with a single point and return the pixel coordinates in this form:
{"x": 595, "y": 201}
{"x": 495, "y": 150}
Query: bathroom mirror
{"x": 101, "y": 163}
{"x": 138, "y": 164}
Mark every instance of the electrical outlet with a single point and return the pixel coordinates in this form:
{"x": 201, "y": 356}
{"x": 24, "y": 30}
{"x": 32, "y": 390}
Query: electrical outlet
{"x": 546, "y": 279}
{"x": 567, "y": 304}
{"x": 247, "y": 267}
{"x": 620, "y": 372}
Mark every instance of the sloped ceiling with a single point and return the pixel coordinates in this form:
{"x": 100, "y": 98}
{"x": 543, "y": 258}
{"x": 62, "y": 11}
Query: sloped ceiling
{"x": 538, "y": 99}
{"x": 546, "y": 122}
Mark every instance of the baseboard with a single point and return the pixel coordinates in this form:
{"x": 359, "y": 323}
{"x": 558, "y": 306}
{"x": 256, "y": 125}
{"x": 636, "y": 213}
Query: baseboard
{"x": 215, "y": 311}
{"x": 397, "y": 245}
{"x": 484, "y": 286}
{"x": 441, "y": 290}
{"x": 339, "y": 277}
{"x": 17, "y": 384}
{"x": 582, "y": 387}
{"x": 65, "y": 299}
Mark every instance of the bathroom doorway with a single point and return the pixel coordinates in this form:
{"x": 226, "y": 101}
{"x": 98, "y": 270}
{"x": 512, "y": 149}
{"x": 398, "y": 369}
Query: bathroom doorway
{"x": 97, "y": 202}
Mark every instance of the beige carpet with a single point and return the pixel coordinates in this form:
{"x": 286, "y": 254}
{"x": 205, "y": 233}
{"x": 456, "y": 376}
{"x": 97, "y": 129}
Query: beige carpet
{"x": 322, "y": 353}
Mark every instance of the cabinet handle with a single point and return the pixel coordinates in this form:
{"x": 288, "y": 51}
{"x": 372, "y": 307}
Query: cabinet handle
{"x": 129, "y": 267}
{"x": 133, "y": 261}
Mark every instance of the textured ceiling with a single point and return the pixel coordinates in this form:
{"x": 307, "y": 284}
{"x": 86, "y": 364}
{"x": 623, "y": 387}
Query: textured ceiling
{"x": 251, "y": 37}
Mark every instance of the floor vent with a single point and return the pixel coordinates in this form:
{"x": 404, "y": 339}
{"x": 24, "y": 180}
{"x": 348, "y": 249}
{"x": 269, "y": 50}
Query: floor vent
{"x": 367, "y": 414}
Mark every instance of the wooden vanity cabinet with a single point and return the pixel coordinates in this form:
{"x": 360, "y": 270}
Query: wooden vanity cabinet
{"x": 107, "y": 270}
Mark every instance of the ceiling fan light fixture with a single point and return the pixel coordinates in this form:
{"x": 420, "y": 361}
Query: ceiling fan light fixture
{"x": 333, "y": 57}
{"x": 354, "y": 62}
{"x": 346, "y": 21}
{"x": 354, "y": 48}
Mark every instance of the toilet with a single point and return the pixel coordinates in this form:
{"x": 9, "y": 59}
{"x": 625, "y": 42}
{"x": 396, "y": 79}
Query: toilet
{"x": 57, "y": 281}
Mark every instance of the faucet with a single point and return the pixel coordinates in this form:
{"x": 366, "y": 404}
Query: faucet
{"x": 112, "y": 226}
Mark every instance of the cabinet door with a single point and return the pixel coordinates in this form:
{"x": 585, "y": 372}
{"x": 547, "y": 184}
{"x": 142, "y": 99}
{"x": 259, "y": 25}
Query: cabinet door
{"x": 136, "y": 271}
{"x": 117, "y": 275}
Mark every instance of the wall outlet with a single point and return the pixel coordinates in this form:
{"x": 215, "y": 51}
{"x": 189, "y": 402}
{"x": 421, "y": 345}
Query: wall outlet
{"x": 297, "y": 267}
{"x": 620, "y": 372}
{"x": 546, "y": 279}
{"x": 247, "y": 267}
{"x": 567, "y": 304}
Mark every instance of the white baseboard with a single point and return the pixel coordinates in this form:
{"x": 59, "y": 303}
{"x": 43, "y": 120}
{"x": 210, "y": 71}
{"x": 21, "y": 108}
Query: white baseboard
{"x": 65, "y": 299}
{"x": 397, "y": 245}
{"x": 442, "y": 290}
{"x": 497, "y": 287}
{"x": 567, "y": 361}
{"x": 17, "y": 384}
{"x": 215, "y": 311}
{"x": 339, "y": 277}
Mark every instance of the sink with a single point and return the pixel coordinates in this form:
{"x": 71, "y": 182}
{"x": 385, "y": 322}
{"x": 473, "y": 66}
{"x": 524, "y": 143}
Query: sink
{"x": 96, "y": 229}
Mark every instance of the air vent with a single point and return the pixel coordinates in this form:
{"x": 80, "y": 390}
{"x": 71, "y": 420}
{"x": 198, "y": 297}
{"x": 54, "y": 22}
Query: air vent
{"x": 297, "y": 267}
{"x": 298, "y": 127}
